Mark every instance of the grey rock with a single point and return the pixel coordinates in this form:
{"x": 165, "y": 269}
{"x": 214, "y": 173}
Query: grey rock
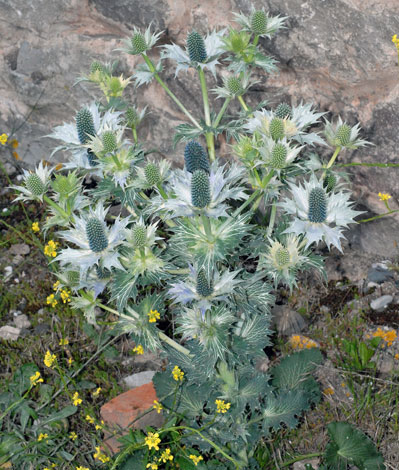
{"x": 41, "y": 329}
{"x": 381, "y": 302}
{"x": 17, "y": 260}
{"x": 287, "y": 320}
{"x": 138, "y": 379}
{"x": 386, "y": 364}
{"x": 10, "y": 169}
{"x": 7, "y": 273}
{"x": 302, "y": 464}
{"x": 379, "y": 274}
{"x": 20, "y": 249}
{"x": 22, "y": 321}
{"x": 10, "y": 333}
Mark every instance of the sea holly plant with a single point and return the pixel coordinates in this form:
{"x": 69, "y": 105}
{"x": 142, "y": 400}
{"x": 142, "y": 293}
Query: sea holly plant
{"x": 183, "y": 257}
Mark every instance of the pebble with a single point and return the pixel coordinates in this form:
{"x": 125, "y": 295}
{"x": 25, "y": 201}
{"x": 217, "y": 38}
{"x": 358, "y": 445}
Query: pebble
{"x": 22, "y": 321}
{"x": 9, "y": 332}
{"x": 379, "y": 273}
{"x": 17, "y": 259}
{"x": 10, "y": 169}
{"x": 302, "y": 464}
{"x": 381, "y": 302}
{"x": 138, "y": 379}
{"x": 8, "y": 272}
{"x": 20, "y": 249}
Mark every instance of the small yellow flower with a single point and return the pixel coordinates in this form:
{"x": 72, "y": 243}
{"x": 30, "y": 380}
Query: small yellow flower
{"x": 157, "y": 406}
{"x": 395, "y": 40}
{"x": 178, "y": 374}
{"x": 51, "y": 249}
{"x": 196, "y": 459}
{"x": 56, "y": 285}
{"x": 384, "y": 196}
{"x": 70, "y": 361}
{"x": 328, "y": 391}
{"x": 65, "y": 295}
{"x": 302, "y": 342}
{"x": 35, "y": 227}
{"x": 35, "y": 379}
{"x": 59, "y": 166}
{"x": 49, "y": 359}
{"x": 76, "y": 400}
{"x": 51, "y": 300}
{"x": 89, "y": 419}
{"x": 82, "y": 468}
{"x": 73, "y": 436}
{"x": 100, "y": 455}
{"x": 153, "y": 316}
{"x": 152, "y": 466}
{"x": 3, "y": 139}
{"x": 222, "y": 407}
{"x": 396, "y": 356}
{"x": 152, "y": 441}
{"x": 14, "y": 143}
{"x": 99, "y": 426}
{"x": 138, "y": 349}
{"x": 165, "y": 456}
{"x": 63, "y": 341}
{"x": 388, "y": 336}
{"x": 96, "y": 392}
{"x": 16, "y": 155}
{"x": 42, "y": 436}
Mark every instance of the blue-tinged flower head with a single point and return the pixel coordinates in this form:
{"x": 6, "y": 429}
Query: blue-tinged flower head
{"x": 97, "y": 242}
{"x": 195, "y": 157}
{"x": 318, "y": 214}
{"x": 196, "y": 47}
{"x": 35, "y": 184}
{"x": 200, "y": 189}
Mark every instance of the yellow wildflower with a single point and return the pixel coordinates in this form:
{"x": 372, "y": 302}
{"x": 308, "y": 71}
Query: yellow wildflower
{"x": 138, "y": 349}
{"x": 89, "y": 419}
{"x": 3, "y": 139}
{"x": 51, "y": 300}
{"x": 82, "y": 468}
{"x": 396, "y": 356}
{"x": 96, "y": 392}
{"x": 56, "y": 285}
{"x": 328, "y": 391}
{"x": 152, "y": 466}
{"x": 302, "y": 342}
{"x": 76, "y": 400}
{"x": 153, "y": 316}
{"x": 222, "y": 407}
{"x": 73, "y": 436}
{"x": 16, "y": 155}
{"x": 196, "y": 459}
{"x": 14, "y": 143}
{"x": 51, "y": 248}
{"x": 99, "y": 426}
{"x": 35, "y": 227}
{"x": 70, "y": 361}
{"x": 177, "y": 373}
{"x": 42, "y": 436}
{"x": 49, "y": 359}
{"x": 63, "y": 341}
{"x": 165, "y": 456}
{"x": 65, "y": 295}
{"x": 157, "y": 406}
{"x": 35, "y": 379}
{"x": 384, "y": 196}
{"x": 388, "y": 336}
{"x": 100, "y": 455}
{"x": 152, "y": 441}
{"x": 395, "y": 40}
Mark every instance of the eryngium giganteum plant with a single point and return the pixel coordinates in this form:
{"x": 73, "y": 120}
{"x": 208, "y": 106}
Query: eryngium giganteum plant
{"x": 182, "y": 247}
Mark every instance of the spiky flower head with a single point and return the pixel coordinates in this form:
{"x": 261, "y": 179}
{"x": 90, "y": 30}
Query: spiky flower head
{"x": 92, "y": 158}
{"x": 317, "y": 203}
{"x": 330, "y": 181}
{"x": 96, "y": 66}
{"x": 66, "y": 185}
{"x": 234, "y": 86}
{"x": 278, "y": 156}
{"x": 343, "y": 135}
{"x": 139, "y": 236}
{"x": 259, "y": 22}
{"x": 276, "y": 128}
{"x": 283, "y": 111}
{"x": 195, "y": 157}
{"x": 200, "y": 189}
{"x": 95, "y": 232}
{"x": 85, "y": 125}
{"x": 109, "y": 141}
{"x": 204, "y": 287}
{"x": 35, "y": 184}
{"x": 196, "y": 47}
{"x": 152, "y": 174}
{"x": 138, "y": 43}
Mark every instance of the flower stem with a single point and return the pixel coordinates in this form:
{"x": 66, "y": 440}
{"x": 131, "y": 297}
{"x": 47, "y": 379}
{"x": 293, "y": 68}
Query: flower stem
{"x": 332, "y": 160}
{"x": 272, "y": 220}
{"x": 246, "y": 203}
{"x": 221, "y": 112}
{"x": 169, "y": 92}
{"x": 207, "y": 225}
{"x": 300, "y": 457}
{"x": 377, "y": 216}
{"x": 161, "y": 191}
{"x": 208, "y": 135}
{"x": 242, "y": 102}
{"x": 134, "y": 132}
{"x": 55, "y": 206}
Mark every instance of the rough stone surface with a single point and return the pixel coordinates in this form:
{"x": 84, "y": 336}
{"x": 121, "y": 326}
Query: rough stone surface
{"x": 337, "y": 54}
{"x": 8, "y": 332}
{"x": 381, "y": 302}
{"x": 22, "y": 321}
{"x": 123, "y": 409}
{"x": 138, "y": 379}
{"x": 20, "y": 249}
{"x": 302, "y": 464}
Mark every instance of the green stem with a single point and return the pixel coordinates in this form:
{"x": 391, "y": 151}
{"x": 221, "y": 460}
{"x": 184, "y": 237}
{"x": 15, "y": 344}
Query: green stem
{"x": 257, "y": 177}
{"x": 246, "y": 203}
{"x": 161, "y": 191}
{"x": 377, "y": 216}
{"x": 371, "y": 164}
{"x": 207, "y": 225}
{"x": 221, "y": 112}
{"x": 332, "y": 160}
{"x": 169, "y": 92}
{"x": 21, "y": 235}
{"x": 267, "y": 178}
{"x": 16, "y": 403}
{"x": 242, "y": 102}
{"x": 134, "y": 131}
{"x": 272, "y": 220}
{"x": 56, "y": 207}
{"x": 208, "y": 135}
{"x": 300, "y": 457}
{"x": 116, "y": 161}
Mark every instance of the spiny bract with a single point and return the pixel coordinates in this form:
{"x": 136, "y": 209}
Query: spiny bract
{"x": 317, "y": 205}
{"x": 35, "y": 185}
{"x": 283, "y": 111}
{"x": 200, "y": 189}
{"x": 195, "y": 157}
{"x": 96, "y": 235}
{"x": 196, "y": 47}
{"x": 152, "y": 174}
{"x": 84, "y": 125}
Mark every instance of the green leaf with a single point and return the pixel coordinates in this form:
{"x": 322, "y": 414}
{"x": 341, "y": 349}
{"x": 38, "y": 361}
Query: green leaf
{"x": 137, "y": 461}
{"x": 59, "y": 415}
{"x": 22, "y": 376}
{"x": 350, "y": 446}
{"x": 283, "y": 409}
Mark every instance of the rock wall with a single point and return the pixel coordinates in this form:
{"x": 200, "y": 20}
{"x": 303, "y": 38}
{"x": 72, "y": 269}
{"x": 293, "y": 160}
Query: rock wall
{"x": 336, "y": 53}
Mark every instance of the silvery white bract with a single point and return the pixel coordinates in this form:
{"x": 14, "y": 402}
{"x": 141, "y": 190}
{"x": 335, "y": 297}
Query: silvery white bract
{"x": 273, "y": 23}
{"x": 150, "y": 233}
{"x": 225, "y": 91}
{"x": 270, "y": 159}
{"x": 185, "y": 292}
{"x": 68, "y": 134}
{"x": 214, "y": 47}
{"x": 352, "y": 141}
{"x": 149, "y": 38}
{"x": 338, "y": 213}
{"x": 302, "y": 118}
{"x": 35, "y": 184}
{"x": 223, "y": 181}
{"x": 84, "y": 257}
{"x": 141, "y": 182}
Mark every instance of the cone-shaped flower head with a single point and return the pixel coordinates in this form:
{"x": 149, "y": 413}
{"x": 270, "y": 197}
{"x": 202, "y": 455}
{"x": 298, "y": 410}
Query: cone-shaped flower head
{"x": 234, "y": 86}
{"x": 200, "y": 189}
{"x": 152, "y": 174}
{"x": 195, "y": 157}
{"x": 85, "y": 125}
{"x": 317, "y": 206}
{"x": 35, "y": 184}
{"x": 343, "y": 135}
{"x": 109, "y": 141}
{"x": 259, "y": 22}
{"x": 138, "y": 43}
{"x": 95, "y": 232}
{"x": 96, "y": 67}
{"x": 278, "y": 156}
{"x": 283, "y": 111}
{"x": 204, "y": 287}
{"x": 92, "y": 159}
{"x": 196, "y": 47}
{"x": 139, "y": 236}
{"x": 330, "y": 181}
{"x": 276, "y": 128}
